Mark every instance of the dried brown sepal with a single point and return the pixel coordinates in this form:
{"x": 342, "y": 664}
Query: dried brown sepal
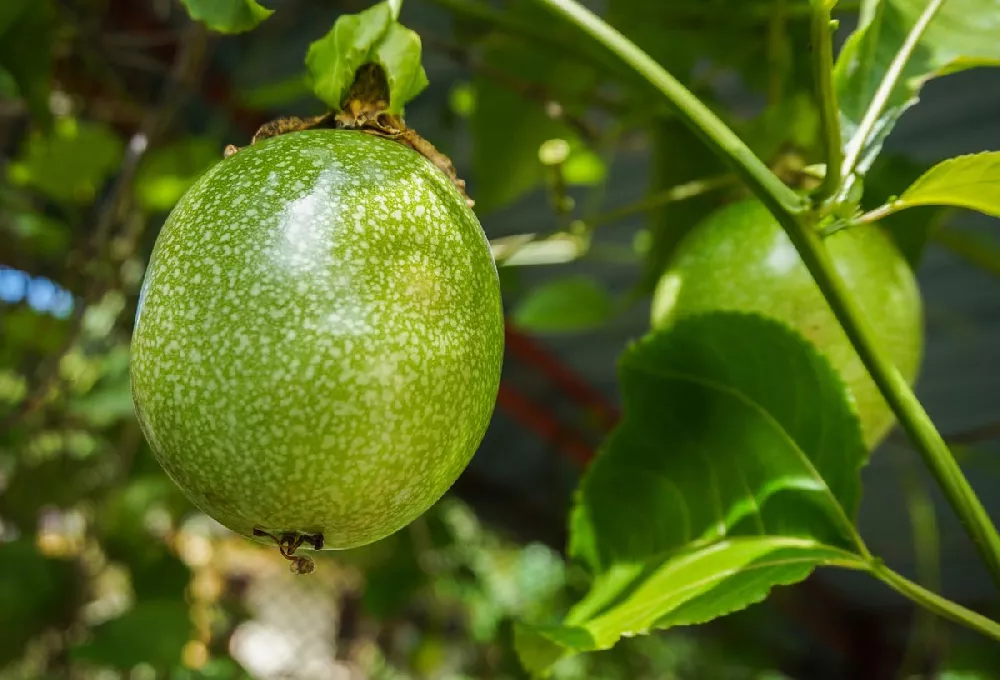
{"x": 364, "y": 109}
{"x": 290, "y": 542}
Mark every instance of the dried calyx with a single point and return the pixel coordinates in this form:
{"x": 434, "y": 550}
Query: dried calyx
{"x": 289, "y": 543}
{"x": 364, "y": 109}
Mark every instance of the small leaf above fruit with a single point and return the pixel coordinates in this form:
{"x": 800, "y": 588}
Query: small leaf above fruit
{"x": 371, "y": 36}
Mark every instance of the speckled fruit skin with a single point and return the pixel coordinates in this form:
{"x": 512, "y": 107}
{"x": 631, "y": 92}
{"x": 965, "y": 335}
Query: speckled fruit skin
{"x": 319, "y": 336}
{"x": 740, "y": 259}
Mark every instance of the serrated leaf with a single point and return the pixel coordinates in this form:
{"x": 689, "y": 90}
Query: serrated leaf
{"x": 682, "y": 589}
{"x": 565, "y": 305}
{"x": 962, "y": 35}
{"x": 26, "y": 33}
{"x": 228, "y": 16}
{"x": 736, "y": 481}
{"x": 971, "y": 182}
{"x": 371, "y": 36}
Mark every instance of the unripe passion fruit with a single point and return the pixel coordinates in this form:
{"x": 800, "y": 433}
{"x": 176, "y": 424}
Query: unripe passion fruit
{"x": 319, "y": 336}
{"x": 740, "y": 259}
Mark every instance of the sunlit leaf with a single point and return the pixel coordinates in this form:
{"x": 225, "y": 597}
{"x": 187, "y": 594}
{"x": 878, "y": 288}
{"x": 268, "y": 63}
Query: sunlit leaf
{"x": 962, "y": 35}
{"x": 736, "y": 482}
{"x": 565, "y": 305}
{"x": 228, "y": 16}
{"x": 971, "y": 182}
{"x": 685, "y": 588}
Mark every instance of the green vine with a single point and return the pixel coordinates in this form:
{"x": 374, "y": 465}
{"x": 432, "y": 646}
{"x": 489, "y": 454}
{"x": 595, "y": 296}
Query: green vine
{"x": 799, "y": 220}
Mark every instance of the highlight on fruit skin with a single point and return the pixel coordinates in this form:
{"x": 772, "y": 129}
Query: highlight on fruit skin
{"x": 740, "y": 259}
{"x": 318, "y": 341}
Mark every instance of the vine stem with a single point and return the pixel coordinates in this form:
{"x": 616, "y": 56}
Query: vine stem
{"x": 792, "y": 213}
{"x": 765, "y": 184}
{"x": 829, "y": 112}
{"x": 935, "y": 603}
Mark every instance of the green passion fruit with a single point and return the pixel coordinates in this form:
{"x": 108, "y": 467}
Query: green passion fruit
{"x": 740, "y": 259}
{"x": 317, "y": 347}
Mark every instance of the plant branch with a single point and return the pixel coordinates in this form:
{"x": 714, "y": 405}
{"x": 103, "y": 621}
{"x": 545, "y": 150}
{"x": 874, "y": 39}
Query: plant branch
{"x": 894, "y": 388}
{"x": 764, "y": 183}
{"x": 935, "y": 603}
{"x": 535, "y": 33}
{"x": 829, "y": 112}
{"x": 881, "y": 98}
{"x": 787, "y": 207}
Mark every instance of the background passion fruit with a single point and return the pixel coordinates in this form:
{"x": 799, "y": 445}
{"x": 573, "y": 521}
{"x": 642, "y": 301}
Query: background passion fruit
{"x": 740, "y": 259}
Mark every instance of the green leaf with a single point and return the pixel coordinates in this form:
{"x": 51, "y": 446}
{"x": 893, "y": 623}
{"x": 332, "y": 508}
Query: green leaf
{"x": 153, "y": 632}
{"x": 26, "y": 34}
{"x": 971, "y": 182}
{"x": 961, "y": 36}
{"x": 736, "y": 482}
{"x": 167, "y": 172}
{"x": 371, "y": 36}
{"x": 684, "y": 588}
{"x": 227, "y": 16}
{"x": 71, "y": 163}
{"x": 565, "y": 305}
{"x": 399, "y": 56}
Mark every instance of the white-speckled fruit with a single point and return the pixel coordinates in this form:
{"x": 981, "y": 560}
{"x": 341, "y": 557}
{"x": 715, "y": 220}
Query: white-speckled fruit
{"x": 318, "y": 343}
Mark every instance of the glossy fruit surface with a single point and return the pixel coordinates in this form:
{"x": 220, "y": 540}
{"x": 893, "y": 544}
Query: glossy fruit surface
{"x": 740, "y": 259}
{"x": 319, "y": 336}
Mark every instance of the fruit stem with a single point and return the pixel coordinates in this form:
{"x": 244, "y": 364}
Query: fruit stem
{"x": 793, "y": 213}
{"x": 764, "y": 183}
{"x": 829, "y": 113}
{"x": 935, "y": 603}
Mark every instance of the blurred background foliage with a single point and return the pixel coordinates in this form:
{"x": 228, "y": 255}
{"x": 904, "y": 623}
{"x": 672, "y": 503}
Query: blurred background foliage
{"x": 109, "y": 109}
